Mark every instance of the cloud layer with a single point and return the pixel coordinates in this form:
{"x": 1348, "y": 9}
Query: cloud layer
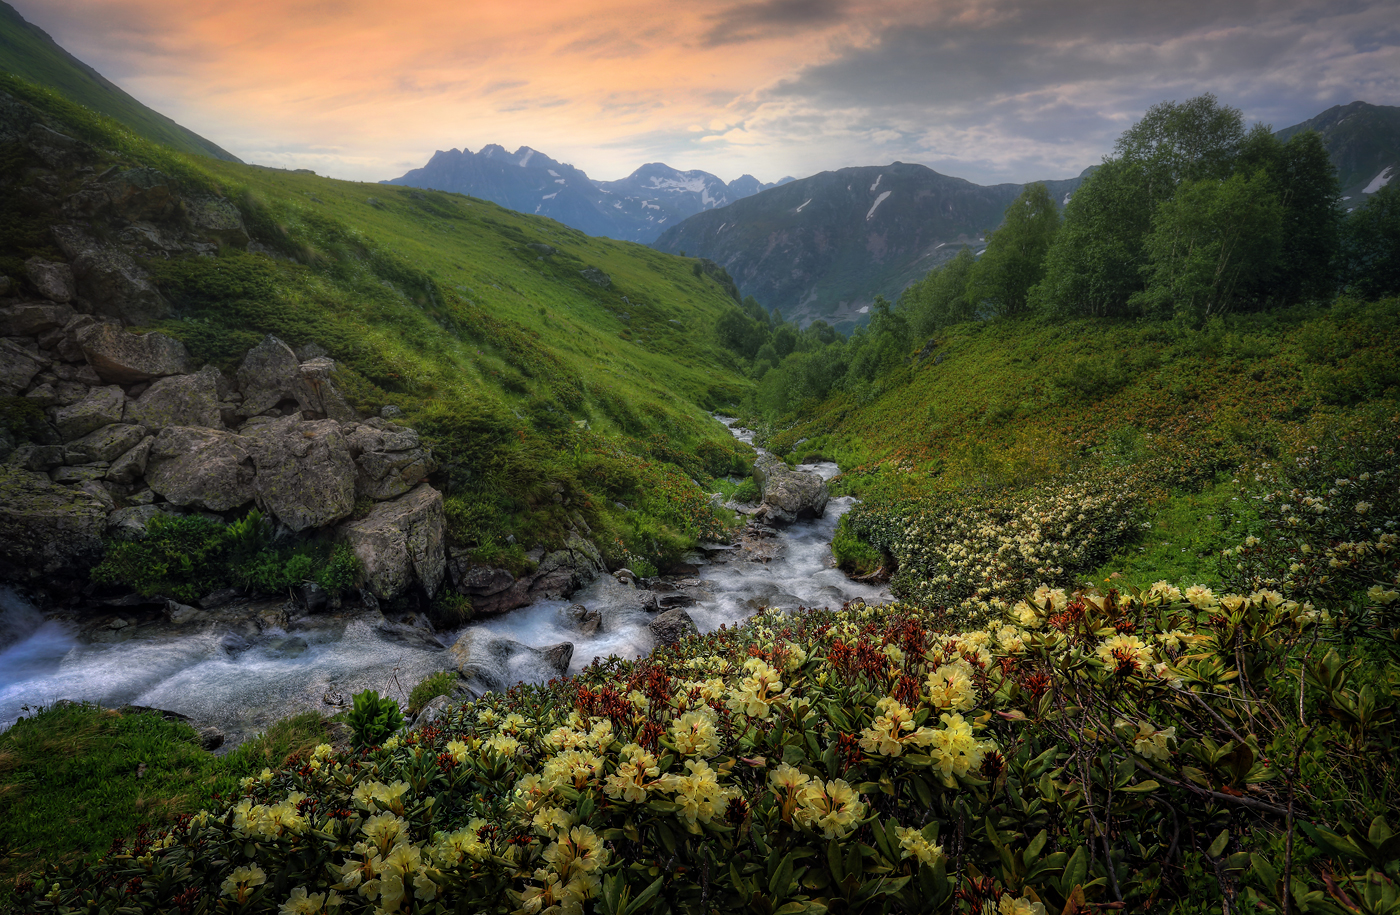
{"x": 990, "y": 90}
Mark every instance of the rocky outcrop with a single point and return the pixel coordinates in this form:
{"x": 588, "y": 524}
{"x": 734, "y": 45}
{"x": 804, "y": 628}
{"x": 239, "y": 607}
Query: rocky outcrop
{"x": 316, "y": 393}
{"x": 120, "y": 357}
{"x": 268, "y": 375}
{"x": 559, "y": 574}
{"x": 106, "y": 444}
{"x": 179, "y": 400}
{"x": 47, "y": 530}
{"x": 389, "y": 459}
{"x": 672, "y": 626}
{"x": 101, "y": 407}
{"x": 489, "y": 664}
{"x": 788, "y": 495}
{"x": 201, "y": 468}
{"x": 401, "y": 542}
{"x": 52, "y": 281}
{"x": 305, "y": 474}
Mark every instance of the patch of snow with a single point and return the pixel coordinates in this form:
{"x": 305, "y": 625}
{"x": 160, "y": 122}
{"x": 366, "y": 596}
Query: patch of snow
{"x": 552, "y": 173}
{"x": 875, "y": 185}
{"x": 617, "y": 205}
{"x": 980, "y": 253}
{"x": 1067, "y": 196}
{"x": 721, "y": 227}
{"x": 525, "y": 159}
{"x": 939, "y": 245}
{"x": 550, "y": 196}
{"x": 648, "y": 205}
{"x": 804, "y": 203}
{"x": 694, "y": 185}
{"x": 1346, "y": 198}
{"x": 1379, "y": 181}
{"x": 878, "y": 200}
{"x": 558, "y": 180}
{"x": 865, "y": 310}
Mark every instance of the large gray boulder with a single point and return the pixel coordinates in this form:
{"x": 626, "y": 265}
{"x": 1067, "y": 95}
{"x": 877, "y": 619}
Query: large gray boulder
{"x": 117, "y": 287}
{"x": 216, "y": 217}
{"x": 53, "y": 281}
{"x": 305, "y": 475}
{"x": 47, "y": 530}
{"x": 268, "y": 374}
{"x": 390, "y": 460}
{"x": 562, "y": 572}
{"x": 29, "y": 319}
{"x": 120, "y": 357}
{"x": 788, "y": 495}
{"x": 316, "y": 393}
{"x": 201, "y": 468}
{"x": 491, "y": 591}
{"x": 101, "y": 407}
{"x": 672, "y": 626}
{"x": 142, "y": 195}
{"x": 106, "y": 444}
{"x": 401, "y": 542}
{"x": 490, "y": 664}
{"x": 17, "y": 368}
{"x": 131, "y": 466}
{"x": 179, "y": 400}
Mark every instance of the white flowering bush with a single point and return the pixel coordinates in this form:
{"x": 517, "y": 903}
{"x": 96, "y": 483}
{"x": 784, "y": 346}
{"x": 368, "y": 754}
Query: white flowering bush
{"x": 1082, "y": 749}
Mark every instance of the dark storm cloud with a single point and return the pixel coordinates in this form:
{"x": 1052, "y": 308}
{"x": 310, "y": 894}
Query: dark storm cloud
{"x": 1071, "y": 75}
{"x": 750, "y": 21}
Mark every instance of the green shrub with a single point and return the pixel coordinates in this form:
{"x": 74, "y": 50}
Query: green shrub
{"x": 853, "y": 555}
{"x": 181, "y": 556}
{"x": 449, "y": 610}
{"x": 373, "y": 718}
{"x": 442, "y": 683}
{"x": 748, "y": 491}
{"x": 341, "y": 573}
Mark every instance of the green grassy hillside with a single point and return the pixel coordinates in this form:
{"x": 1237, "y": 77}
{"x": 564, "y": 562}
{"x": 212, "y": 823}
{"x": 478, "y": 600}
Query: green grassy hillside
{"x": 27, "y": 50}
{"x": 531, "y": 379}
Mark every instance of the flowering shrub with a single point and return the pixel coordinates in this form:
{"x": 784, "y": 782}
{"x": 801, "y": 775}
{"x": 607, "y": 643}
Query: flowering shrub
{"x": 1082, "y": 749}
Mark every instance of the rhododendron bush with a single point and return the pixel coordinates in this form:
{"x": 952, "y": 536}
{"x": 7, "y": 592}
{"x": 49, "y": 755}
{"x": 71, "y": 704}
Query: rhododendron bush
{"x": 1082, "y": 749}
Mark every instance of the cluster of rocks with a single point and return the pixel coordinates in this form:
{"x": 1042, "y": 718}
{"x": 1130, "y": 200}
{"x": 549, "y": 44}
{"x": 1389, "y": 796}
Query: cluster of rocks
{"x": 787, "y": 495}
{"x": 130, "y": 429}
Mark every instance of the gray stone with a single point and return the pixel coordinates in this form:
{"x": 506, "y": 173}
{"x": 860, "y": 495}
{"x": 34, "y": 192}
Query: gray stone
{"x": 672, "y": 626}
{"x": 179, "y": 400}
{"x": 120, "y": 357}
{"x": 105, "y": 444}
{"x": 46, "y": 530}
{"x": 596, "y": 277}
{"x": 39, "y": 458}
{"x": 305, "y": 475}
{"x": 131, "y": 466}
{"x": 491, "y": 664}
{"x": 316, "y": 393}
{"x": 130, "y": 523}
{"x": 99, "y": 491}
{"x": 217, "y": 218}
{"x": 268, "y": 375}
{"x": 435, "y": 710}
{"x": 77, "y": 374}
{"x": 389, "y": 462}
{"x": 389, "y": 411}
{"x": 30, "y": 319}
{"x": 401, "y": 542}
{"x": 788, "y": 495}
{"x": 80, "y": 473}
{"x": 17, "y": 368}
{"x": 53, "y": 281}
{"x": 142, "y": 195}
{"x": 201, "y": 468}
{"x": 102, "y": 407}
{"x": 117, "y": 287}
{"x": 44, "y": 395}
{"x": 563, "y": 572}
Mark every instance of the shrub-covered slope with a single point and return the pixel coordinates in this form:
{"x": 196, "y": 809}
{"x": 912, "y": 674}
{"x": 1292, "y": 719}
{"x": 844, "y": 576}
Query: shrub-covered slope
{"x": 557, "y": 376}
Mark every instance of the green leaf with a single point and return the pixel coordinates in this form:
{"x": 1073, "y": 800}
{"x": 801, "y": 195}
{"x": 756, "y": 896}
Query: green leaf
{"x": 1265, "y": 871}
{"x": 1142, "y": 787}
{"x": 1034, "y": 849}
{"x": 1219, "y": 844}
{"x": 647, "y": 895}
{"x": 781, "y": 878}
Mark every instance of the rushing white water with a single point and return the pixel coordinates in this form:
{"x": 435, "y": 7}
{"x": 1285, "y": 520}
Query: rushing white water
{"x": 242, "y": 686}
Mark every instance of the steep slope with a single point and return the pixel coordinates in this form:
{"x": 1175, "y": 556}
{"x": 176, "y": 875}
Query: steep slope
{"x": 824, "y": 246}
{"x": 1363, "y": 141}
{"x": 561, "y": 380}
{"x": 27, "y": 50}
{"x": 636, "y": 208}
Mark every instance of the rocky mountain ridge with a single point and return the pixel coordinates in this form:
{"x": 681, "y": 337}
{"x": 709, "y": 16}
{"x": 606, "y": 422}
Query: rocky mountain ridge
{"x": 636, "y": 208}
{"x": 1364, "y": 143}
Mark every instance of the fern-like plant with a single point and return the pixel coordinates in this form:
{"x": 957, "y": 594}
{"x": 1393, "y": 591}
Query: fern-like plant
{"x": 373, "y": 718}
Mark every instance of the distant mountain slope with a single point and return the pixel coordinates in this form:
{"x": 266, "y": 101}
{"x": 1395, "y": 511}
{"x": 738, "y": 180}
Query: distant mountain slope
{"x": 824, "y": 246}
{"x": 636, "y": 208}
{"x": 1363, "y": 141}
{"x": 27, "y": 51}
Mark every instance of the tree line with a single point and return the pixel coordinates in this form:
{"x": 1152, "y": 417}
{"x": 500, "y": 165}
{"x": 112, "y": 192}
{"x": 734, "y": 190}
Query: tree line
{"x": 1191, "y": 217}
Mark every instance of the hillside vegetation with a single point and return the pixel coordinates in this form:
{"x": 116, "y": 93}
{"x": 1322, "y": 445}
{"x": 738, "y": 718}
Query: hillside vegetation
{"x": 557, "y": 376}
{"x": 27, "y": 51}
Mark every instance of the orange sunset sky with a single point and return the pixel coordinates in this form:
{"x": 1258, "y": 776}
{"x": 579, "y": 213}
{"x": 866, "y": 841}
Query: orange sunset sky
{"x": 990, "y": 90}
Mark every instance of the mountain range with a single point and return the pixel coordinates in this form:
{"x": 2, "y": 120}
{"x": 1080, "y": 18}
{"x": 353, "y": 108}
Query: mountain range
{"x": 636, "y": 208}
